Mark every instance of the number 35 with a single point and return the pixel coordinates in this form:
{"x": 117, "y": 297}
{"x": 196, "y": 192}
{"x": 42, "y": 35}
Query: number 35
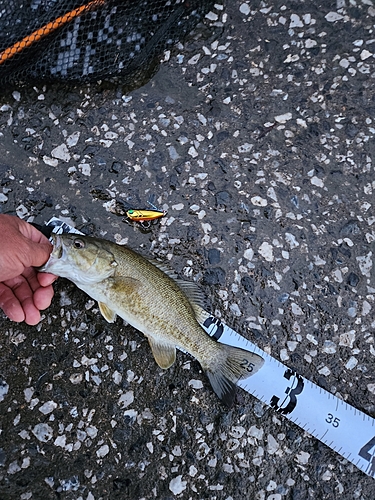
{"x": 332, "y": 420}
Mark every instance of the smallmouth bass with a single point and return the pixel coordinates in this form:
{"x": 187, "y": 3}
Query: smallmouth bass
{"x": 154, "y": 301}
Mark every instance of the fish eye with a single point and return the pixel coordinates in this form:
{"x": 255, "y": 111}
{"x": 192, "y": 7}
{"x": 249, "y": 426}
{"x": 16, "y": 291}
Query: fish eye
{"x": 78, "y": 244}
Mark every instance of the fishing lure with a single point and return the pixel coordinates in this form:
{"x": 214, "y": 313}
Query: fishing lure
{"x": 145, "y": 217}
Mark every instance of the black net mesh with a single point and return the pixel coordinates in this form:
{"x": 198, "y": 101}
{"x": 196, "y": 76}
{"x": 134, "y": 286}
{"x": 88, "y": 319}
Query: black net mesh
{"x": 84, "y": 41}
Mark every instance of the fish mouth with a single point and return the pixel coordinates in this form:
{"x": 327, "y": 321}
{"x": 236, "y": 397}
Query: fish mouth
{"x": 56, "y": 254}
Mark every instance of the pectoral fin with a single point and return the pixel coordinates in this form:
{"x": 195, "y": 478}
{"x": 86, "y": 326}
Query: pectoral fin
{"x": 108, "y": 314}
{"x": 164, "y": 354}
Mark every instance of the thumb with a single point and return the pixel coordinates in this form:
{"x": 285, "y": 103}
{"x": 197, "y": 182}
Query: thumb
{"x": 38, "y": 253}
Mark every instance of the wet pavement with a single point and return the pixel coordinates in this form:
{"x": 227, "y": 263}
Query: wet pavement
{"x": 257, "y": 137}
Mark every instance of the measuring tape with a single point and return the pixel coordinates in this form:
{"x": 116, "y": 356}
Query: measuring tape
{"x": 315, "y": 410}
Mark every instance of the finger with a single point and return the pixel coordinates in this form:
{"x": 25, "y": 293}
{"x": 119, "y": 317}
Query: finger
{"x": 24, "y": 295}
{"x": 10, "y": 304}
{"x": 38, "y": 253}
{"x": 31, "y": 276}
{"x": 32, "y": 254}
{"x": 43, "y": 297}
{"x": 46, "y": 279}
{"x": 43, "y": 292}
{"x": 24, "y": 246}
{"x": 31, "y": 232}
{"x": 39, "y": 247}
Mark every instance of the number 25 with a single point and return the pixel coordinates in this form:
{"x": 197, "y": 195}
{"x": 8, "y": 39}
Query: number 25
{"x": 247, "y": 365}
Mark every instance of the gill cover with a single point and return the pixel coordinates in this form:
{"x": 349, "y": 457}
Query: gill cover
{"x": 80, "y": 259}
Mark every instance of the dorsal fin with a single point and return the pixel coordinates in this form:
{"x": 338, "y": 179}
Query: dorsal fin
{"x": 200, "y": 313}
{"x": 190, "y": 289}
{"x": 167, "y": 270}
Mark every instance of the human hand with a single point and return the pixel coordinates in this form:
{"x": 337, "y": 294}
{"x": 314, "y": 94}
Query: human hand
{"x": 24, "y": 292}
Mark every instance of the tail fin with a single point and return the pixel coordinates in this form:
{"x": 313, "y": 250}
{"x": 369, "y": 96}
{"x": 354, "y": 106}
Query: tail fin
{"x": 234, "y": 364}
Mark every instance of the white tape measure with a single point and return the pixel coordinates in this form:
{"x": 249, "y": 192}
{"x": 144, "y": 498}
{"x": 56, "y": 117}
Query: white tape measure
{"x": 312, "y": 408}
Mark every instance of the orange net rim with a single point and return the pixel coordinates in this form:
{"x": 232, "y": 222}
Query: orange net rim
{"x": 46, "y": 30}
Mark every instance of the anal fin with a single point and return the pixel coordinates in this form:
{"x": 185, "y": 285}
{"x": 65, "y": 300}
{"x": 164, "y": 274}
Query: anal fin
{"x": 164, "y": 353}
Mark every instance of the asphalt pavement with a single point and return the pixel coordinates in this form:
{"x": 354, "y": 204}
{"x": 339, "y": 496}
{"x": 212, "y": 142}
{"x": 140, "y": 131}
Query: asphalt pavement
{"x": 257, "y": 137}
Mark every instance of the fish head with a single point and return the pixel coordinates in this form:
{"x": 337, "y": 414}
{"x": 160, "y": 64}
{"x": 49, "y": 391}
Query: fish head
{"x": 81, "y": 259}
